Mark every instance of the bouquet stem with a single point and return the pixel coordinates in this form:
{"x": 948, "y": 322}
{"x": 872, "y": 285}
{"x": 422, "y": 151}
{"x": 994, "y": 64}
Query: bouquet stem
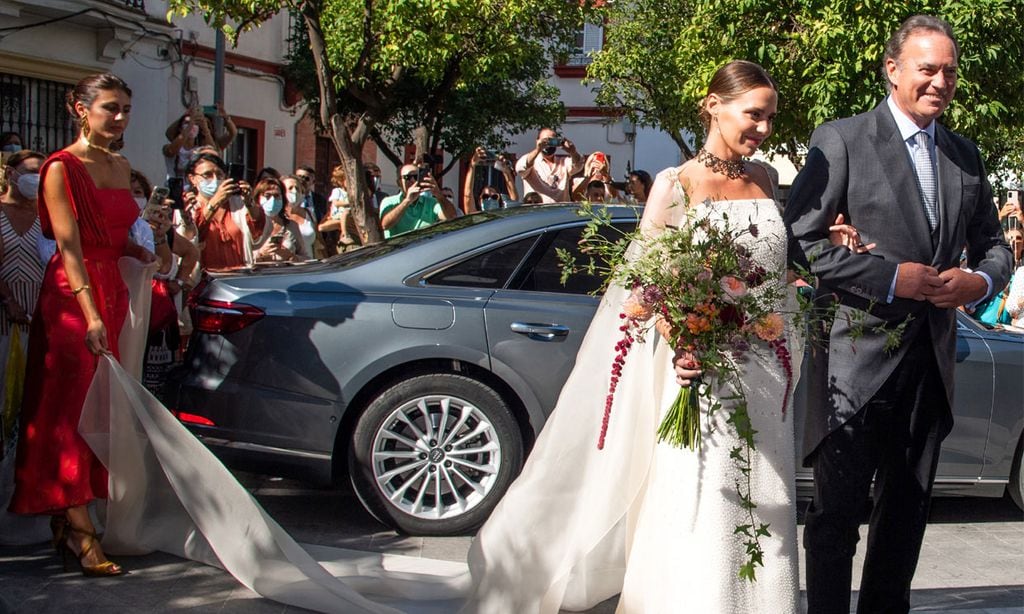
{"x": 681, "y": 426}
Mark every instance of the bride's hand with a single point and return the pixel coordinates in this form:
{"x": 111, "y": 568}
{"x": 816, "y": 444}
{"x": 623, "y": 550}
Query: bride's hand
{"x": 847, "y": 236}
{"x": 687, "y": 367}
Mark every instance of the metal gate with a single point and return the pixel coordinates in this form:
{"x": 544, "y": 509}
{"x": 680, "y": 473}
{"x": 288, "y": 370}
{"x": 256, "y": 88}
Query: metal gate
{"x": 35, "y": 109}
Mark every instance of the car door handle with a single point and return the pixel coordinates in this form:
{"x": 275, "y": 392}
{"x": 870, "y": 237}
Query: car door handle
{"x": 543, "y": 332}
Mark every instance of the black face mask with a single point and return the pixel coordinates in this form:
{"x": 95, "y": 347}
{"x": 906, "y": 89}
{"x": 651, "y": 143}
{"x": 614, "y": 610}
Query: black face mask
{"x": 548, "y": 151}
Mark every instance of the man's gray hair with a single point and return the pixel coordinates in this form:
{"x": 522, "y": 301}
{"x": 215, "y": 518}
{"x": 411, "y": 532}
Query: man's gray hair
{"x": 929, "y": 23}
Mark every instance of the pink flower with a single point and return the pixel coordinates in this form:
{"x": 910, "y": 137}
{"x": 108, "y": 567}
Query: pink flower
{"x": 733, "y": 287}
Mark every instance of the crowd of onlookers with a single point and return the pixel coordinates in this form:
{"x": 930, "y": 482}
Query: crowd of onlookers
{"x": 210, "y": 217}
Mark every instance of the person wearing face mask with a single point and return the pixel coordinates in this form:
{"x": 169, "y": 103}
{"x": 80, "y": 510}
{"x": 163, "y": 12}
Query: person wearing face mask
{"x": 10, "y": 142}
{"x": 227, "y": 223}
{"x": 377, "y": 195}
{"x": 21, "y": 277}
{"x": 282, "y": 241}
{"x": 294, "y": 196}
{"x": 544, "y": 173}
{"x": 140, "y": 232}
{"x": 489, "y": 197}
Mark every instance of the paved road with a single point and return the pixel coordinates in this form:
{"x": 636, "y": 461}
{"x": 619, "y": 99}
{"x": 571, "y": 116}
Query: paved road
{"x": 972, "y": 561}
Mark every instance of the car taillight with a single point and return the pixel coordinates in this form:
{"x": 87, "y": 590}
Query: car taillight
{"x": 192, "y": 418}
{"x": 222, "y": 317}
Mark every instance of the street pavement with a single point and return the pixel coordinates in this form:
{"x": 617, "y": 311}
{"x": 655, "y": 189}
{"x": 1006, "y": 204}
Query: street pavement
{"x": 972, "y": 561}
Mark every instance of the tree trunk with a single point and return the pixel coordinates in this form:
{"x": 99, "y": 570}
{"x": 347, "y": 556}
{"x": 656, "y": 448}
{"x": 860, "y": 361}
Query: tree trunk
{"x": 348, "y": 145}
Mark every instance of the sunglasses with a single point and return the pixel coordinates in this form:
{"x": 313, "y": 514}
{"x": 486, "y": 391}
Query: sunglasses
{"x": 410, "y": 176}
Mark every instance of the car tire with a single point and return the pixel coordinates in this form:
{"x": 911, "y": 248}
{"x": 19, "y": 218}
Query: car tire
{"x": 1016, "y": 484}
{"x": 441, "y": 479}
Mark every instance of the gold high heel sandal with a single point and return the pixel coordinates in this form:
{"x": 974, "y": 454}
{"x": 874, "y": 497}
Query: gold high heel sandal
{"x": 104, "y": 569}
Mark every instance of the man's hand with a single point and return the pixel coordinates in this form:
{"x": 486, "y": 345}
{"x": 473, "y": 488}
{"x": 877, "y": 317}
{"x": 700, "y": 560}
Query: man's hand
{"x": 569, "y": 146}
{"x": 917, "y": 281}
{"x": 687, "y": 368}
{"x": 959, "y": 288}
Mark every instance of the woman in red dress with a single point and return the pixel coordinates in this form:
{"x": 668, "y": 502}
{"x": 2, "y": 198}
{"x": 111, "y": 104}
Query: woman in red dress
{"x": 86, "y": 204}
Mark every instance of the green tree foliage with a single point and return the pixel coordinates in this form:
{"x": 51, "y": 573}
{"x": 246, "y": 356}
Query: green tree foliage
{"x": 430, "y": 69}
{"x": 825, "y": 54}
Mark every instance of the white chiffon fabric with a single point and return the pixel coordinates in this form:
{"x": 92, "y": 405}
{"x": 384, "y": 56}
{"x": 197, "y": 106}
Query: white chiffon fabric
{"x": 578, "y": 526}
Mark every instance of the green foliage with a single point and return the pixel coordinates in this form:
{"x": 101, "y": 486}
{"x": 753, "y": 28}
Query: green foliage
{"x": 826, "y": 56}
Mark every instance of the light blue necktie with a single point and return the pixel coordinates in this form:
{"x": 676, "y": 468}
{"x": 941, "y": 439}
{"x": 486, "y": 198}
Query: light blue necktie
{"x": 925, "y": 167}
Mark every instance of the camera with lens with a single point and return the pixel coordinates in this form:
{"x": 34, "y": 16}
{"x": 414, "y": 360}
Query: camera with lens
{"x": 555, "y": 141}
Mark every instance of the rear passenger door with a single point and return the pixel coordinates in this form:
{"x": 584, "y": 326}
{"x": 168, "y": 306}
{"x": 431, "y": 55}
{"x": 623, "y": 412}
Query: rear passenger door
{"x": 536, "y": 324}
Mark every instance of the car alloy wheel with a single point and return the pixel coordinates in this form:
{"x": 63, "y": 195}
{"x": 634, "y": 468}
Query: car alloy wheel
{"x": 435, "y": 453}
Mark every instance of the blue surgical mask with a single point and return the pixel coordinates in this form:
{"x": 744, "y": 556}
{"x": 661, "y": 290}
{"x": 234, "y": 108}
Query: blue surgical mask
{"x": 490, "y": 203}
{"x": 11, "y": 148}
{"x": 28, "y": 185}
{"x": 208, "y": 187}
{"x": 271, "y": 204}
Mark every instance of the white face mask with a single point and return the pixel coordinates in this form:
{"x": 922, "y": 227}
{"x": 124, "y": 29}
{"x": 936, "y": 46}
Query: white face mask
{"x": 293, "y": 197}
{"x": 141, "y": 202}
{"x": 28, "y": 185}
{"x": 208, "y": 187}
{"x": 271, "y": 204}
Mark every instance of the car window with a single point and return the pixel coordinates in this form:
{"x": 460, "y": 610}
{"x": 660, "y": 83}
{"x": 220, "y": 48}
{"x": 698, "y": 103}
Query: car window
{"x": 490, "y": 269}
{"x": 546, "y": 272}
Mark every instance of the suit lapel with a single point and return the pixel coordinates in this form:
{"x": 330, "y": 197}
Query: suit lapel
{"x": 892, "y": 155}
{"x": 950, "y": 189}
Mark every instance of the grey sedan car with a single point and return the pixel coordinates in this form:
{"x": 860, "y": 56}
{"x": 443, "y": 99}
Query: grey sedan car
{"x": 423, "y": 368}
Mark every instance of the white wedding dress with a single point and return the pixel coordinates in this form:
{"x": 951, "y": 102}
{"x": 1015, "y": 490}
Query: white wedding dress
{"x": 580, "y": 525}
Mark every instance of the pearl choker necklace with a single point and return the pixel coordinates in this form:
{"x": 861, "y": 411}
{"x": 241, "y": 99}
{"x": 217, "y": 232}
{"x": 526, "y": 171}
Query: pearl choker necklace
{"x": 729, "y": 168}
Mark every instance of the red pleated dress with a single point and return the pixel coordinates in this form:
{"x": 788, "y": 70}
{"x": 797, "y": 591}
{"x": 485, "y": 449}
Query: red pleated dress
{"x": 55, "y": 469}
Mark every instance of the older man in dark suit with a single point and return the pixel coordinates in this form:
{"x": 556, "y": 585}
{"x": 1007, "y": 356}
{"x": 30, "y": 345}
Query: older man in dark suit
{"x": 920, "y": 193}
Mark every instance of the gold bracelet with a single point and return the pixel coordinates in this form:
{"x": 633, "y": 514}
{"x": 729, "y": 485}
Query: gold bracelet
{"x": 79, "y": 290}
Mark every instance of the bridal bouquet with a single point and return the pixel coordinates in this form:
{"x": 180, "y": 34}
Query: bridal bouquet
{"x": 700, "y": 287}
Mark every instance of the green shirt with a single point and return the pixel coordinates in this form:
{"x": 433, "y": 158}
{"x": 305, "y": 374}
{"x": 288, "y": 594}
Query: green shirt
{"x": 422, "y": 213}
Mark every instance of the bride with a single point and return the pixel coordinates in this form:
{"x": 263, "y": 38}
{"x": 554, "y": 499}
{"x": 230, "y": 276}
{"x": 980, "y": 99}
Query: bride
{"x": 645, "y": 520}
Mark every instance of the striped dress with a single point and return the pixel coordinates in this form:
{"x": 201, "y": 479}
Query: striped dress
{"x": 21, "y": 268}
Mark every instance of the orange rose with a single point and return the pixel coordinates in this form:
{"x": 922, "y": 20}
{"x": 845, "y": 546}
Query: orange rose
{"x": 770, "y": 327}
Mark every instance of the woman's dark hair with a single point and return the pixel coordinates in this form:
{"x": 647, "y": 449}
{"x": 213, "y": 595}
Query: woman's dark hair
{"x": 265, "y": 184}
{"x": 147, "y": 187}
{"x": 645, "y": 178}
{"x": 86, "y": 90}
{"x": 5, "y": 138}
{"x": 730, "y": 81}
{"x": 15, "y": 160}
{"x": 194, "y": 161}
{"x": 268, "y": 171}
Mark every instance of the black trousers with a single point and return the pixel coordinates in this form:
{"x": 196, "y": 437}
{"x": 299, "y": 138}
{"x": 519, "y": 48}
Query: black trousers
{"x": 895, "y": 438}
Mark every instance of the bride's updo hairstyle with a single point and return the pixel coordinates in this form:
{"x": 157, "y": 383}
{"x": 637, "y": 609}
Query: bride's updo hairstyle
{"x": 732, "y": 80}
{"x": 86, "y": 91}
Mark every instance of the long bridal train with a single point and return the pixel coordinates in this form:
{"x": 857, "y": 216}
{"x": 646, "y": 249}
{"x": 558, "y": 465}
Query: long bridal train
{"x": 577, "y": 527}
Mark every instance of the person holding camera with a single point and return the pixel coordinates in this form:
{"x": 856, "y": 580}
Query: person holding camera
{"x": 193, "y": 130}
{"x": 415, "y": 207}
{"x": 489, "y": 196}
{"x": 227, "y": 222}
{"x": 546, "y": 174}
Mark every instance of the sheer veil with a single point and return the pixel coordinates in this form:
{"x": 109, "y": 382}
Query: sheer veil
{"x": 558, "y": 539}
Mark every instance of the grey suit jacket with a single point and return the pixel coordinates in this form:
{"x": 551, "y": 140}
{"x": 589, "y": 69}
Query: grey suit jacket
{"x": 859, "y": 167}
